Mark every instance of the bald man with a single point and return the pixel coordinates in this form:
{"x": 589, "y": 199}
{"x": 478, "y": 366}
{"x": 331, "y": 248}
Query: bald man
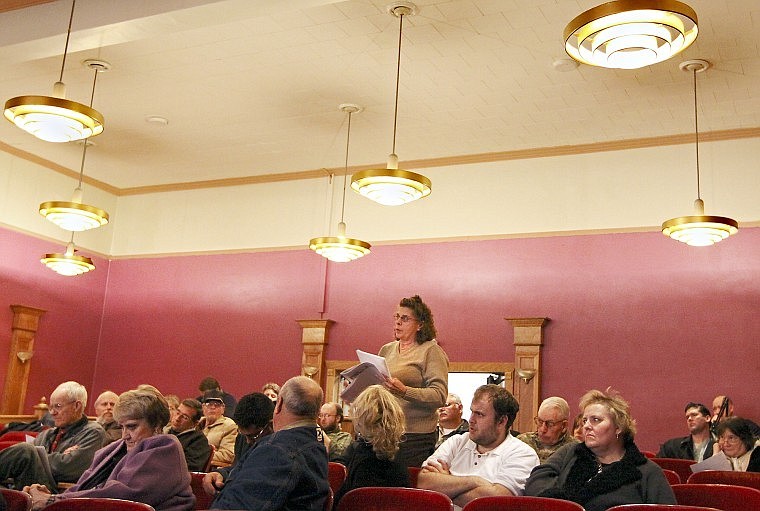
{"x": 104, "y": 406}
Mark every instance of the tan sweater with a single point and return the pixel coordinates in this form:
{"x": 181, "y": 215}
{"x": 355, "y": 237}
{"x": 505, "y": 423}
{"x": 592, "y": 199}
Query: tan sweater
{"x": 424, "y": 369}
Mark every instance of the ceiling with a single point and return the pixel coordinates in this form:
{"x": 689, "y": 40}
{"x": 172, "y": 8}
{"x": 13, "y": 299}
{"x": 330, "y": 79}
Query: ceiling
{"x": 251, "y": 88}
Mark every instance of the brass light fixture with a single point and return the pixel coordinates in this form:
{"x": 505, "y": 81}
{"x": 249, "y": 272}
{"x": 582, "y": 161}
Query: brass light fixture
{"x": 392, "y": 186}
{"x": 55, "y": 118}
{"x": 75, "y": 216}
{"x": 629, "y": 34}
{"x": 341, "y": 249}
{"x": 699, "y": 230}
{"x": 68, "y": 264}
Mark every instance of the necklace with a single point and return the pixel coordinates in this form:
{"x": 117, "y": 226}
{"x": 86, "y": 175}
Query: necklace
{"x": 599, "y": 468}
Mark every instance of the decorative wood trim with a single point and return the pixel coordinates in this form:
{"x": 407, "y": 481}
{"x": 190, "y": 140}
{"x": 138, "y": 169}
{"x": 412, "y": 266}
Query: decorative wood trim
{"x": 528, "y": 341}
{"x": 24, "y": 327}
{"x": 314, "y": 340}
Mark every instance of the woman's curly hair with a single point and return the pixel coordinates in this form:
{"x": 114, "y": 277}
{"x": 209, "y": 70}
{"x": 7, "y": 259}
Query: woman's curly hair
{"x": 380, "y": 421}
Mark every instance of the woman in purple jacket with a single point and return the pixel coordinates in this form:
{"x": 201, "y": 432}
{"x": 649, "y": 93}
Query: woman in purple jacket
{"x": 144, "y": 466}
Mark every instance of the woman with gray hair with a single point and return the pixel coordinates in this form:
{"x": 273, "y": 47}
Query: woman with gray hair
{"x": 144, "y": 466}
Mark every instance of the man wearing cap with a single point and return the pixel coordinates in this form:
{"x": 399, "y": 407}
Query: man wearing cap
{"x": 220, "y": 431}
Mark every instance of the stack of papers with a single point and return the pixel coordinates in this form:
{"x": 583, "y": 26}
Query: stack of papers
{"x": 371, "y": 370}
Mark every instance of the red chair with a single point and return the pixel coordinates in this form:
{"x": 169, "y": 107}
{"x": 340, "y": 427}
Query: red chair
{"x": 504, "y": 503}
{"x": 680, "y": 467}
{"x": 4, "y": 444}
{"x": 751, "y": 479}
{"x": 211, "y": 453}
{"x": 719, "y": 496}
{"x": 372, "y": 498}
{"x": 202, "y": 499}
{"x": 660, "y": 507}
{"x": 336, "y": 474}
{"x": 414, "y": 473}
{"x": 649, "y": 454}
{"x": 96, "y": 504}
{"x": 19, "y": 436}
{"x": 672, "y": 476}
{"x": 16, "y": 500}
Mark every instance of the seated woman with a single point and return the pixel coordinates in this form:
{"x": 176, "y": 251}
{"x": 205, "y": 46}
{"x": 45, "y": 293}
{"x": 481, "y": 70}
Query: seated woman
{"x": 144, "y": 466}
{"x": 736, "y": 441}
{"x": 607, "y": 469}
{"x": 379, "y": 422}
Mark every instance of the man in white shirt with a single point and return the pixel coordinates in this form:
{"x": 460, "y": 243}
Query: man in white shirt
{"x": 485, "y": 461}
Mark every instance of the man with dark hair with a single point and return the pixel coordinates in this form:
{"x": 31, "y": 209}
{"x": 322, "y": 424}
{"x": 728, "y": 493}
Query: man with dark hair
{"x": 698, "y": 446}
{"x": 195, "y": 444}
{"x": 287, "y": 469}
{"x": 210, "y": 383}
{"x": 330, "y": 419}
{"x": 487, "y": 460}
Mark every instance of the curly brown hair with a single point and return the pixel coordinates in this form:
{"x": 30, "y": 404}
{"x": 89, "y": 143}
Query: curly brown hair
{"x": 423, "y": 316}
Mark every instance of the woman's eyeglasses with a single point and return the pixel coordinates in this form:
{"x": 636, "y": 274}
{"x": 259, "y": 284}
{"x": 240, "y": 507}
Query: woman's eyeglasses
{"x": 404, "y": 319}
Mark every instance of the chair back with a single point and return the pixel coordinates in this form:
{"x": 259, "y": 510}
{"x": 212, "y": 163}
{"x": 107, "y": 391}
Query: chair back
{"x": 211, "y": 453}
{"x": 659, "y": 507}
{"x": 649, "y": 454}
{"x": 97, "y": 504}
{"x": 520, "y": 503}
{"x": 672, "y": 476}
{"x": 202, "y": 499}
{"x": 16, "y": 500}
{"x": 4, "y": 444}
{"x": 19, "y": 436}
{"x": 720, "y": 496}
{"x": 336, "y": 474}
{"x": 373, "y": 498}
{"x": 679, "y": 466}
{"x": 751, "y": 479}
{"x": 414, "y": 473}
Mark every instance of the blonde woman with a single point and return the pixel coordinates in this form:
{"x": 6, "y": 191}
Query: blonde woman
{"x": 379, "y": 423}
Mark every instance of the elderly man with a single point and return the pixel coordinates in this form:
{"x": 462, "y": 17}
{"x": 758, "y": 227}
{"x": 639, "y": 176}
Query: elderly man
{"x": 551, "y": 428}
{"x": 210, "y": 383}
{"x": 698, "y": 446}
{"x": 220, "y": 431}
{"x": 485, "y": 461}
{"x": 287, "y": 469}
{"x": 330, "y": 419}
{"x": 60, "y": 454}
{"x": 450, "y": 421}
{"x": 183, "y": 425}
{"x": 104, "y": 405}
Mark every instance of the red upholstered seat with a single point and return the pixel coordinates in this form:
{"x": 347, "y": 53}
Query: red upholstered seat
{"x": 336, "y": 474}
{"x": 202, "y": 499}
{"x": 509, "y": 503}
{"x": 84, "y": 504}
{"x": 16, "y": 500}
{"x": 660, "y": 507}
{"x": 680, "y": 467}
{"x": 4, "y": 444}
{"x": 19, "y": 436}
{"x": 414, "y": 473}
{"x": 672, "y": 476}
{"x": 720, "y": 496}
{"x": 649, "y": 454}
{"x": 751, "y": 479}
{"x": 211, "y": 453}
{"x": 386, "y": 499}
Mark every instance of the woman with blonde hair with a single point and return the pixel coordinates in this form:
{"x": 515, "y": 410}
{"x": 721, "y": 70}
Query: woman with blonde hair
{"x": 379, "y": 422}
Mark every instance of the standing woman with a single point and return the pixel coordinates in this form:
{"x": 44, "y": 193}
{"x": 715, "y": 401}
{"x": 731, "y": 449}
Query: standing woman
{"x": 419, "y": 378}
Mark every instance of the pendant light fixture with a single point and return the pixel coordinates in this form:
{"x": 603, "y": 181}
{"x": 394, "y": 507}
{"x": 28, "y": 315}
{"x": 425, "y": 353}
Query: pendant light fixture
{"x": 75, "y": 216}
{"x": 55, "y": 118}
{"x": 699, "y": 230}
{"x": 629, "y": 34}
{"x": 392, "y": 186}
{"x": 341, "y": 249}
{"x": 68, "y": 264}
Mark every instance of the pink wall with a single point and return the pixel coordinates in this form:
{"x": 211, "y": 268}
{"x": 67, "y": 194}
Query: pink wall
{"x": 661, "y": 322}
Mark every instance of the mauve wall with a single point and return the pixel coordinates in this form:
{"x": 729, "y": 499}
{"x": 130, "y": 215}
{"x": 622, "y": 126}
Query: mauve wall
{"x": 661, "y": 322}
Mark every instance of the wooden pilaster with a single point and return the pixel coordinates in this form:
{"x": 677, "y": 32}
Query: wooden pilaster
{"x": 314, "y": 339}
{"x": 24, "y": 327}
{"x": 529, "y": 340}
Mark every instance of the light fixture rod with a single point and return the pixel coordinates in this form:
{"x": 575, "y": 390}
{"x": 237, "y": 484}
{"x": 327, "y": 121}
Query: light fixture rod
{"x": 345, "y": 167}
{"x": 68, "y": 35}
{"x": 696, "y": 127}
{"x": 400, "y": 12}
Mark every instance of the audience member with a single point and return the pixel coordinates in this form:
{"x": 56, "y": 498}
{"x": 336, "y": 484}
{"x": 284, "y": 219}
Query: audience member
{"x": 330, "y": 420}
{"x": 253, "y": 417}
{"x": 271, "y": 390}
{"x": 104, "y": 406}
{"x": 737, "y": 443}
{"x": 485, "y": 461}
{"x": 69, "y": 447}
{"x": 184, "y": 426}
{"x": 723, "y": 407}
{"x": 220, "y": 431}
{"x": 379, "y": 422}
{"x": 578, "y": 427}
{"x": 419, "y": 377}
{"x": 287, "y": 469}
{"x": 607, "y": 469}
{"x": 144, "y": 466}
{"x": 551, "y": 428}
{"x": 699, "y": 444}
{"x": 212, "y": 384}
{"x": 450, "y": 421}
{"x": 173, "y": 401}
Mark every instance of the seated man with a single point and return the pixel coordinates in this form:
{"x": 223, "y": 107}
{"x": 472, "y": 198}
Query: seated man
{"x": 220, "y": 431}
{"x": 69, "y": 448}
{"x": 330, "y": 418}
{"x": 487, "y": 460}
{"x": 194, "y": 443}
{"x": 698, "y": 446}
{"x": 450, "y": 421}
{"x": 208, "y": 384}
{"x": 104, "y": 406}
{"x": 723, "y": 407}
{"x": 253, "y": 417}
{"x": 287, "y": 469}
{"x": 551, "y": 428}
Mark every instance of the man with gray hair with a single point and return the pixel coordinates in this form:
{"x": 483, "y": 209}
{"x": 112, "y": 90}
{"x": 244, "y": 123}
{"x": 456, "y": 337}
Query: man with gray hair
{"x": 287, "y": 469}
{"x": 551, "y": 428}
{"x": 104, "y": 406}
{"x": 450, "y": 421}
{"x": 60, "y": 454}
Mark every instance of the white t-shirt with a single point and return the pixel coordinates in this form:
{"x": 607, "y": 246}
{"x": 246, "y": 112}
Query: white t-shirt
{"x": 509, "y": 464}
